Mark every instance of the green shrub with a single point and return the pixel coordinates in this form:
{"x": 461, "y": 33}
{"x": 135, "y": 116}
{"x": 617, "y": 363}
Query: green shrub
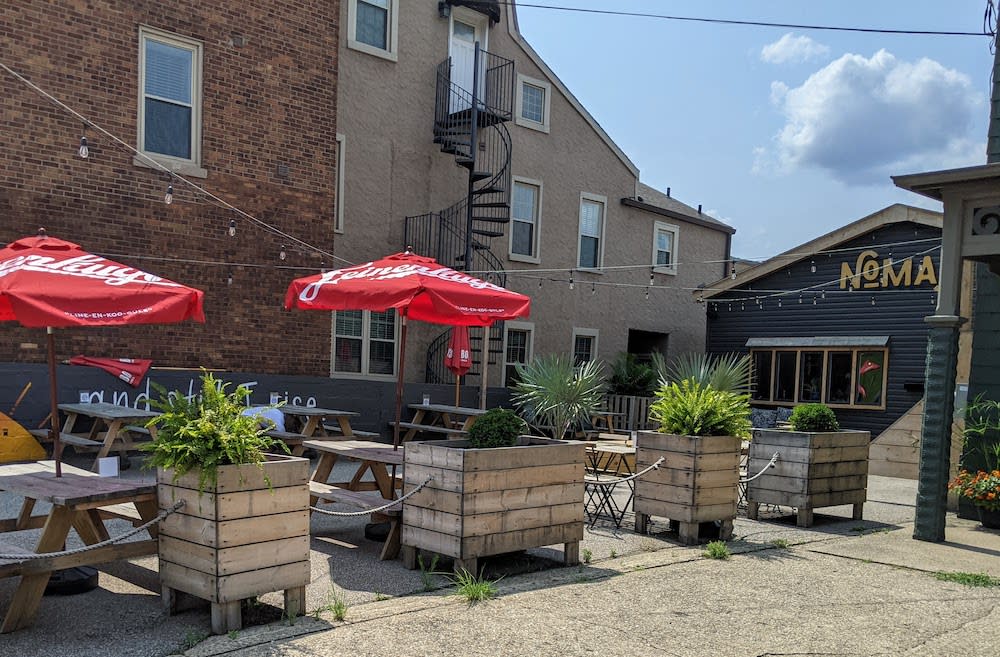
{"x": 498, "y": 427}
{"x": 550, "y": 390}
{"x": 729, "y": 372}
{"x": 206, "y": 432}
{"x": 630, "y": 377}
{"x": 813, "y": 417}
{"x": 690, "y": 409}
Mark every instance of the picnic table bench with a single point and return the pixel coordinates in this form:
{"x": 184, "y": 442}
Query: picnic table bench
{"x": 363, "y": 500}
{"x": 66, "y": 438}
{"x": 413, "y": 429}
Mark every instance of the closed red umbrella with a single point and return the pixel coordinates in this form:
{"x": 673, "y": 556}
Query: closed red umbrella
{"x": 458, "y": 358}
{"x": 415, "y": 286}
{"x": 129, "y": 370}
{"x": 45, "y": 281}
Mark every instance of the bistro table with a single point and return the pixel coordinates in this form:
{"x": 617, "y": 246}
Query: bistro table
{"x": 117, "y": 423}
{"x": 439, "y": 418}
{"x": 77, "y": 499}
{"x": 611, "y": 460}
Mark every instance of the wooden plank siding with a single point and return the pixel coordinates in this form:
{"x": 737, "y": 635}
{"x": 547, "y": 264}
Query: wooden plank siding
{"x": 898, "y": 313}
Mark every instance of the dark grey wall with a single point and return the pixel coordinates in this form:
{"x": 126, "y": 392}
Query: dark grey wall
{"x": 374, "y": 400}
{"x": 898, "y": 313}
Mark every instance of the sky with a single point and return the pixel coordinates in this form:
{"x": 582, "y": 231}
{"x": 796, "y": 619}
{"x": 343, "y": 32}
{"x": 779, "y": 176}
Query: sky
{"x": 785, "y": 134}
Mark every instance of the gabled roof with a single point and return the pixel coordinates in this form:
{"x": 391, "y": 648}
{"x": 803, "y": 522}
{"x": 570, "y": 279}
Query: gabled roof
{"x": 655, "y": 201}
{"x": 515, "y": 34}
{"x": 896, "y": 213}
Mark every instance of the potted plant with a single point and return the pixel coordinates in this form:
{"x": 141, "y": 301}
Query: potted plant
{"x": 244, "y": 527}
{"x": 701, "y": 430}
{"x": 818, "y": 465}
{"x": 496, "y": 491}
{"x": 981, "y": 486}
{"x": 552, "y": 392}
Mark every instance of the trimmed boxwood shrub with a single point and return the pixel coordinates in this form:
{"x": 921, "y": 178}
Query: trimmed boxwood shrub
{"x": 813, "y": 417}
{"x": 498, "y": 427}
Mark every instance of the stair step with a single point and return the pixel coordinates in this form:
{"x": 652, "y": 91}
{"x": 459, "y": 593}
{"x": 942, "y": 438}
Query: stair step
{"x": 480, "y": 175}
{"x": 488, "y": 190}
{"x": 487, "y": 233}
{"x": 490, "y": 204}
{"x": 466, "y": 162}
{"x": 453, "y": 130}
{"x": 493, "y": 220}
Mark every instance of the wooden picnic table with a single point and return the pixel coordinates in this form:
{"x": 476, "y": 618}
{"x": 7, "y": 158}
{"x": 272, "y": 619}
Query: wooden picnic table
{"x": 310, "y": 420}
{"x": 111, "y": 424}
{"x": 77, "y": 500}
{"x": 440, "y": 418}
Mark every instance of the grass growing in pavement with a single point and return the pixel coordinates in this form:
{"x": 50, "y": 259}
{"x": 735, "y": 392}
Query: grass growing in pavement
{"x": 587, "y": 555}
{"x": 780, "y": 543}
{"x": 968, "y": 579}
{"x": 716, "y": 550}
{"x": 474, "y": 588}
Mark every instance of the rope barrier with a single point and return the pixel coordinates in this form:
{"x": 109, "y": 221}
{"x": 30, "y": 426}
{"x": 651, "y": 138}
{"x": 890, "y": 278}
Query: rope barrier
{"x": 770, "y": 464}
{"x": 350, "y": 514}
{"x": 615, "y": 482}
{"x": 21, "y": 558}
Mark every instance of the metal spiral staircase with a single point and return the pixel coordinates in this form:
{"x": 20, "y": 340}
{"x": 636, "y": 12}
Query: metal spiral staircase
{"x": 469, "y": 124}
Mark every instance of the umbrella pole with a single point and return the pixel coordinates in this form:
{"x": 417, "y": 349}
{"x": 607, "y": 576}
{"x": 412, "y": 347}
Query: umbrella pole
{"x": 399, "y": 387}
{"x": 53, "y": 394}
{"x": 458, "y": 393}
{"x": 486, "y": 367}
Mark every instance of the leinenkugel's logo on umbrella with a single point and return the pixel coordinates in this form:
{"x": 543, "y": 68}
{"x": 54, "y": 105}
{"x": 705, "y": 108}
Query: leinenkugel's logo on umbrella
{"x": 86, "y": 266}
{"x": 367, "y": 271}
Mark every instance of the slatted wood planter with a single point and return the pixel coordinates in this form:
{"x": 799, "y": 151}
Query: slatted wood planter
{"x": 813, "y": 470}
{"x": 697, "y": 483}
{"x": 483, "y": 502}
{"x": 238, "y": 540}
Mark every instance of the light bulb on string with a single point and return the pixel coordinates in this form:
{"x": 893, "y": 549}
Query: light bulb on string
{"x": 539, "y": 283}
{"x": 732, "y": 272}
{"x": 814, "y": 301}
{"x": 168, "y": 198}
{"x": 571, "y": 280}
{"x": 800, "y": 298}
{"x": 779, "y": 303}
{"x": 650, "y": 276}
{"x": 743, "y": 306}
{"x": 232, "y": 228}
{"x": 812, "y": 266}
{"x": 229, "y": 279}
{"x": 593, "y": 288}
{"x": 822, "y": 294}
{"x": 647, "y": 294}
{"x": 84, "y": 151}
{"x": 730, "y": 307}
{"x": 873, "y": 299}
{"x": 281, "y": 254}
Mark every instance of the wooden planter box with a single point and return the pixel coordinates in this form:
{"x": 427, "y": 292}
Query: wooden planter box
{"x": 696, "y": 483}
{"x": 483, "y": 502}
{"x": 238, "y": 540}
{"x": 813, "y": 470}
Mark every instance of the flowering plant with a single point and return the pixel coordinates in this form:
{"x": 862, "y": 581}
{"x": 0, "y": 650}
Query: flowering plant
{"x": 981, "y": 488}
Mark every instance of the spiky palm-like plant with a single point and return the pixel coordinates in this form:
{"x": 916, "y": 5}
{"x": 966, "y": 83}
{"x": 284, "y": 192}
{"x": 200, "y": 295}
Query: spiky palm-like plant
{"x": 728, "y": 372}
{"x": 550, "y": 390}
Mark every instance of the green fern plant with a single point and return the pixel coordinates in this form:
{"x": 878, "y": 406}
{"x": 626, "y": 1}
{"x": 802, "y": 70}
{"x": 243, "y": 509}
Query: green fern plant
{"x": 690, "y": 408}
{"x": 549, "y": 390}
{"x": 206, "y": 432}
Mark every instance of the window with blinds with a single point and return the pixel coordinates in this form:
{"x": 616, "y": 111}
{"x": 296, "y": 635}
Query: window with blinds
{"x": 524, "y": 219}
{"x": 170, "y": 92}
{"x": 591, "y": 232}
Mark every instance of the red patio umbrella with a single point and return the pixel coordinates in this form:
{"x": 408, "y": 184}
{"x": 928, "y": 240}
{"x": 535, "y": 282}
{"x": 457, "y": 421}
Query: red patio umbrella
{"x": 129, "y": 370}
{"x": 416, "y": 287}
{"x": 458, "y": 359}
{"x": 49, "y": 282}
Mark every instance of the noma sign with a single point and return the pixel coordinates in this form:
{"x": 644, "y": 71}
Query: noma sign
{"x": 872, "y": 272}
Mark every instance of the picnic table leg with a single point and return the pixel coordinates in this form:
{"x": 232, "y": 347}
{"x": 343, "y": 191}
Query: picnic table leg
{"x": 148, "y": 510}
{"x": 89, "y": 526}
{"x": 109, "y": 438}
{"x": 24, "y": 516}
{"x": 390, "y": 550}
{"x": 385, "y": 486}
{"x": 69, "y": 422}
{"x": 324, "y": 466}
{"x": 312, "y": 424}
{"x": 27, "y": 597}
{"x": 345, "y": 427}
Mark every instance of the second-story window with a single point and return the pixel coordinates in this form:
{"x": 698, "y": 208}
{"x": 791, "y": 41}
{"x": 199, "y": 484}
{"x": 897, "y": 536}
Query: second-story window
{"x": 533, "y": 103}
{"x": 591, "y": 231}
{"x": 665, "y": 248}
{"x": 372, "y": 27}
{"x": 170, "y": 90}
{"x": 524, "y": 220}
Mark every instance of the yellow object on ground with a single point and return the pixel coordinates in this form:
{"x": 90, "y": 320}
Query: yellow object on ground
{"x": 16, "y": 444}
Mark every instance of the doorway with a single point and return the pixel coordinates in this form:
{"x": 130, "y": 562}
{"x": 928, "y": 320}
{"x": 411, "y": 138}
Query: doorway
{"x": 467, "y": 28}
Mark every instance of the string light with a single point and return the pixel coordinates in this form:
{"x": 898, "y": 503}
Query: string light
{"x": 814, "y": 300}
{"x": 800, "y": 298}
{"x": 730, "y": 307}
{"x": 779, "y": 303}
{"x": 84, "y": 151}
{"x": 812, "y": 266}
{"x": 593, "y": 288}
{"x": 168, "y": 198}
{"x": 651, "y": 281}
{"x": 823, "y": 294}
{"x": 571, "y": 280}
{"x": 647, "y": 294}
{"x": 732, "y": 271}
{"x": 539, "y": 283}
{"x": 873, "y": 299}
{"x": 229, "y": 279}
{"x": 232, "y": 228}
{"x": 281, "y": 254}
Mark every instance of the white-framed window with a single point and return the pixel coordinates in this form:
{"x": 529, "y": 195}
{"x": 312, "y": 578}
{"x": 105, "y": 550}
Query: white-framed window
{"x": 534, "y": 101}
{"x": 372, "y": 26}
{"x": 338, "y": 220}
{"x": 665, "y": 247}
{"x": 518, "y": 344}
{"x": 364, "y": 343}
{"x": 590, "y": 246}
{"x": 525, "y": 218}
{"x": 584, "y": 346}
{"x": 169, "y": 122}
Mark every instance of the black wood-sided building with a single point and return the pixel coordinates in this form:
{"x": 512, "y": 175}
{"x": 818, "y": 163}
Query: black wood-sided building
{"x": 838, "y": 320}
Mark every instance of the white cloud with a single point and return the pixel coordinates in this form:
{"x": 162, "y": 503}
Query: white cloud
{"x": 863, "y": 119}
{"x": 793, "y": 49}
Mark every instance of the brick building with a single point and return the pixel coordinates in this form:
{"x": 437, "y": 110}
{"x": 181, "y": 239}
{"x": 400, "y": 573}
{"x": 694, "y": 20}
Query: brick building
{"x": 238, "y": 97}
